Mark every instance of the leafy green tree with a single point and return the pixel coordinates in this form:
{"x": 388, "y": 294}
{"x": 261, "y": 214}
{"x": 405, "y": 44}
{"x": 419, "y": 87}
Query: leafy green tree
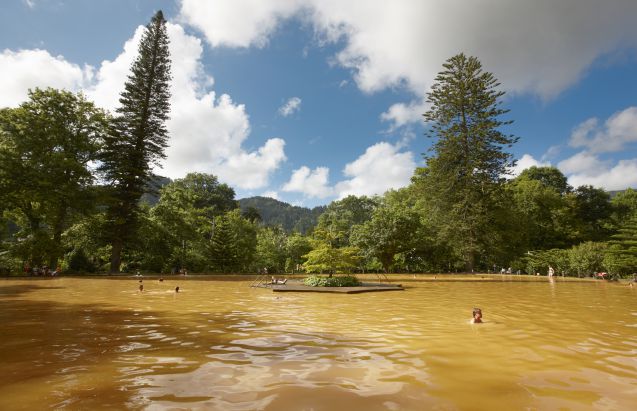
{"x": 296, "y": 246}
{"x": 392, "y": 229}
{"x": 550, "y": 177}
{"x": 325, "y": 258}
{"x": 271, "y": 252}
{"x": 152, "y": 250}
{"x": 624, "y": 206}
{"x": 138, "y": 135}
{"x": 46, "y": 145}
{"x": 586, "y": 258}
{"x": 593, "y": 209}
{"x": 543, "y": 218}
{"x": 341, "y": 216}
{"x": 465, "y": 174}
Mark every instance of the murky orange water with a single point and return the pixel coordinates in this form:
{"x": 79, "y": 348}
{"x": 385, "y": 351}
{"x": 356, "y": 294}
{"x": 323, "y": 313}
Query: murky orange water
{"x": 221, "y": 345}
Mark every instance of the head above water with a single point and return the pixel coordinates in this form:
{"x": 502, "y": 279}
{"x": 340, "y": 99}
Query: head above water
{"x": 477, "y": 314}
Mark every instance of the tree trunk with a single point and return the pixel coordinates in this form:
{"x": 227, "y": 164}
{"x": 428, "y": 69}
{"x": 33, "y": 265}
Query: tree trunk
{"x": 116, "y": 256}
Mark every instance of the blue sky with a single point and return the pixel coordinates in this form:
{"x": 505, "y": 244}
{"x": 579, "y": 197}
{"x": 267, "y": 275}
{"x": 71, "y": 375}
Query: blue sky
{"x": 308, "y": 101}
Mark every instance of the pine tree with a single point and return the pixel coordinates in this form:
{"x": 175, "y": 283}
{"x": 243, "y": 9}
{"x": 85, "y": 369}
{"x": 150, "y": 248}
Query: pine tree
{"x": 223, "y": 246}
{"x": 138, "y": 135}
{"x": 621, "y": 254}
{"x": 465, "y": 174}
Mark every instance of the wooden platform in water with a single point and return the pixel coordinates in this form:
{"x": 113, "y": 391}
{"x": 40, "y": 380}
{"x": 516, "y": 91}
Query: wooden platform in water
{"x": 365, "y": 288}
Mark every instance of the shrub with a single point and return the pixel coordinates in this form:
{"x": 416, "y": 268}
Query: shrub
{"x": 339, "y": 281}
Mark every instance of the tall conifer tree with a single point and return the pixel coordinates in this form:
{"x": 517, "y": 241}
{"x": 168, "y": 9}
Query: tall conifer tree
{"x": 464, "y": 175}
{"x": 138, "y": 134}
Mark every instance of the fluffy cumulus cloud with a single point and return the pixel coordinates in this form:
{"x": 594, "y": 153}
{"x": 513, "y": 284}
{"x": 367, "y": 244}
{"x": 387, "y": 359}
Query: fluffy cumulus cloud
{"x": 206, "y": 131}
{"x": 22, "y": 70}
{"x": 401, "y": 114}
{"x": 312, "y": 183}
{"x": 527, "y": 161}
{"x": 290, "y": 107}
{"x": 618, "y": 131}
{"x": 588, "y": 167}
{"x": 382, "y": 167}
{"x": 532, "y": 47}
{"x": 618, "y": 177}
{"x": 237, "y": 23}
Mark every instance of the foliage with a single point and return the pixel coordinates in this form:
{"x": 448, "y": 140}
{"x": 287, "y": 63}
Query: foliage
{"x": 138, "y": 135}
{"x": 341, "y": 216}
{"x": 325, "y": 258}
{"x": 464, "y": 176}
{"x": 621, "y": 254}
{"x": 593, "y": 209}
{"x": 338, "y": 281}
{"x": 624, "y": 206}
{"x": 271, "y": 243}
{"x": 542, "y": 215}
{"x": 587, "y": 258}
{"x": 46, "y": 145}
{"x": 549, "y": 177}
{"x": 459, "y": 212}
{"x": 223, "y": 250}
{"x": 392, "y": 229}
{"x": 245, "y": 234}
{"x": 296, "y": 246}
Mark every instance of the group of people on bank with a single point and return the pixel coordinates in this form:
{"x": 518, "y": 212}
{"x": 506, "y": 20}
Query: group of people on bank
{"x": 44, "y": 270}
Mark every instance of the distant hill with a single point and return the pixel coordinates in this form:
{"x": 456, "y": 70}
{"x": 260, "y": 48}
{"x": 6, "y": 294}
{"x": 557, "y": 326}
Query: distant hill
{"x": 614, "y": 193}
{"x": 291, "y": 218}
{"x": 151, "y": 196}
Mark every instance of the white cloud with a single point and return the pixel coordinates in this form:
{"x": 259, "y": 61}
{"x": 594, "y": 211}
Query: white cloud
{"x": 290, "y": 107}
{"x": 28, "y": 69}
{"x": 250, "y": 170}
{"x": 619, "y": 130}
{"x": 582, "y": 162}
{"x": 532, "y": 47}
{"x": 527, "y": 161}
{"x": 271, "y": 194}
{"x": 206, "y": 131}
{"x": 237, "y": 23}
{"x": 401, "y": 114}
{"x": 380, "y": 168}
{"x": 312, "y": 183}
{"x": 618, "y": 177}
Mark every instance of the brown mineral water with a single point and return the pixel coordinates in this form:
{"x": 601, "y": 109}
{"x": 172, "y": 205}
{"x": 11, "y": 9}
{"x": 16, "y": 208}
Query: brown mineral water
{"x": 87, "y": 343}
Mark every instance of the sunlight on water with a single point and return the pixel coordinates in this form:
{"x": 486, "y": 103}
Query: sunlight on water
{"x": 221, "y": 345}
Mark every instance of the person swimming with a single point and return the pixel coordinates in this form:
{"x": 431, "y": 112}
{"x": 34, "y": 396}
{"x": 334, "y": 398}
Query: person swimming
{"x": 177, "y": 289}
{"x": 141, "y": 288}
{"x": 477, "y": 316}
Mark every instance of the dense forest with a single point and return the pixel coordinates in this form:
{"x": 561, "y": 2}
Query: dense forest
{"x": 78, "y": 192}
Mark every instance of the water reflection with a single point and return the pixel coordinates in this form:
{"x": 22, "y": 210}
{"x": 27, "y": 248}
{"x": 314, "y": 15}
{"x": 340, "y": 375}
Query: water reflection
{"x": 99, "y": 343}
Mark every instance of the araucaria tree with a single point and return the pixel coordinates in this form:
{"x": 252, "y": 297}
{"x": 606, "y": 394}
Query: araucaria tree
{"x": 138, "y": 135}
{"x": 465, "y": 173}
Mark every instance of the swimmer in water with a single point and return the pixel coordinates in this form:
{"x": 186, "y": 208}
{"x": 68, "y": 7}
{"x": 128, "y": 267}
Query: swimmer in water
{"x": 161, "y": 280}
{"x": 141, "y": 288}
{"x": 177, "y": 289}
{"x": 477, "y": 316}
